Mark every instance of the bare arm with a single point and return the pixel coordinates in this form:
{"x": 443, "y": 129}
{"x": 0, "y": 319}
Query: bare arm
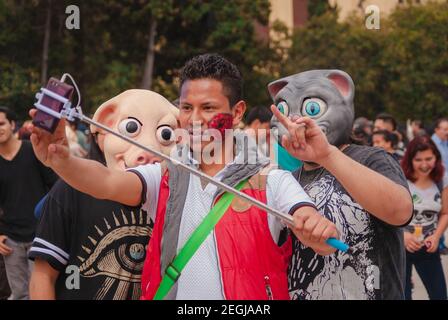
{"x": 42, "y": 282}
{"x": 95, "y": 179}
{"x": 84, "y": 175}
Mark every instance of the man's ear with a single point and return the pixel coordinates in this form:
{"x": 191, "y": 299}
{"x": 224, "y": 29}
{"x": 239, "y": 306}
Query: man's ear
{"x": 238, "y": 112}
{"x": 106, "y": 114}
{"x": 275, "y": 87}
{"x": 343, "y": 82}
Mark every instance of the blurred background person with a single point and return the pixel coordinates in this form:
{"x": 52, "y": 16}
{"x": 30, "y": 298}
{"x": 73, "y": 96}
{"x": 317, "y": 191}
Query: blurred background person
{"x": 258, "y": 126}
{"x": 362, "y": 131}
{"x": 387, "y": 141}
{"x": 440, "y": 138}
{"x": 385, "y": 121}
{"x": 24, "y": 180}
{"x": 424, "y": 171}
{"x": 73, "y": 140}
{"x": 415, "y": 129}
{"x": 5, "y": 292}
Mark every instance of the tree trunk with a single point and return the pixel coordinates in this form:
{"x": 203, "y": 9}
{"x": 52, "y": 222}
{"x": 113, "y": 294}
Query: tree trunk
{"x": 149, "y": 63}
{"x": 44, "y": 71}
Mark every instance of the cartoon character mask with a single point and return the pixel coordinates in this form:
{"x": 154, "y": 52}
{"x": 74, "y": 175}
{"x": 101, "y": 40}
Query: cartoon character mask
{"x": 323, "y": 95}
{"x": 142, "y": 115}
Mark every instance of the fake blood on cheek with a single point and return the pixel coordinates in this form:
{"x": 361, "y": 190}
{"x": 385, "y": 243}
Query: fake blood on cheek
{"x": 221, "y": 122}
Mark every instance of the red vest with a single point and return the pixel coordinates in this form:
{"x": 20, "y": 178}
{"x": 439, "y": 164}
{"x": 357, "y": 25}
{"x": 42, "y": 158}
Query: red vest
{"x": 252, "y": 265}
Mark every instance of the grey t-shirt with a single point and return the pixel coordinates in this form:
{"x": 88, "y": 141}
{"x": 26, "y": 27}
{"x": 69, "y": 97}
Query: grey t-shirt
{"x": 375, "y": 268}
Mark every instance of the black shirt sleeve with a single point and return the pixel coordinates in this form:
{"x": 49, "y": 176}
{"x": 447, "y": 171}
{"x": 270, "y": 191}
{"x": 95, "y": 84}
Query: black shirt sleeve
{"x": 52, "y": 241}
{"x": 383, "y": 163}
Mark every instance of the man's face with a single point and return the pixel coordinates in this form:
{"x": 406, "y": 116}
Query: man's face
{"x": 442, "y": 130}
{"x": 383, "y": 125}
{"x": 6, "y": 128}
{"x": 415, "y": 127}
{"x": 200, "y": 101}
{"x": 379, "y": 141}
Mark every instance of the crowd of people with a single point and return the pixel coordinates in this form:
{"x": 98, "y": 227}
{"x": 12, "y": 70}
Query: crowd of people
{"x": 122, "y": 217}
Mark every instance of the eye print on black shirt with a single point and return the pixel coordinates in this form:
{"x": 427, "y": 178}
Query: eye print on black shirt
{"x": 116, "y": 252}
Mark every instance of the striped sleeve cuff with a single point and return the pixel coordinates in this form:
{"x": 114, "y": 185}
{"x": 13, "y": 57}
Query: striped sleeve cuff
{"x": 55, "y": 256}
{"x": 142, "y": 179}
{"x": 301, "y": 205}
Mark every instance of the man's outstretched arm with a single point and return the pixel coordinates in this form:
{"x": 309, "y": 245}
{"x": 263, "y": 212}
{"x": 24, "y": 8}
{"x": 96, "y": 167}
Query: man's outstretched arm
{"x": 87, "y": 176}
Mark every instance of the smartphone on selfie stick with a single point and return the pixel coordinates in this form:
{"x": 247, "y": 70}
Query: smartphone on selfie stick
{"x": 55, "y": 96}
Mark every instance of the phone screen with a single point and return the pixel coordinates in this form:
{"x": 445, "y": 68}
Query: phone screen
{"x": 44, "y": 120}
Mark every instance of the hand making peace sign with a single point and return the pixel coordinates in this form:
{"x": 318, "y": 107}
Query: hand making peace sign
{"x": 305, "y": 140}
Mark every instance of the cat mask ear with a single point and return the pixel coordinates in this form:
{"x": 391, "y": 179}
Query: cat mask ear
{"x": 275, "y": 87}
{"x": 343, "y": 82}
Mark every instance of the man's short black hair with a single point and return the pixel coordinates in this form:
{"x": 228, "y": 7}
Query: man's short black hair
{"x": 388, "y": 119}
{"x": 262, "y": 114}
{"x": 10, "y": 116}
{"x": 214, "y": 66}
{"x": 439, "y": 121}
{"x": 388, "y": 137}
{"x": 418, "y": 123}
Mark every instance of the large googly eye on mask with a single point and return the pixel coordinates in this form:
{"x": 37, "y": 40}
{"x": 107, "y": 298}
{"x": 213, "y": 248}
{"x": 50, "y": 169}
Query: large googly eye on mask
{"x": 283, "y": 108}
{"x": 130, "y": 127}
{"x": 313, "y": 107}
{"x": 165, "y": 135}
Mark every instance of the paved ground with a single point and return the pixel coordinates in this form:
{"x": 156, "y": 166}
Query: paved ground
{"x": 419, "y": 292}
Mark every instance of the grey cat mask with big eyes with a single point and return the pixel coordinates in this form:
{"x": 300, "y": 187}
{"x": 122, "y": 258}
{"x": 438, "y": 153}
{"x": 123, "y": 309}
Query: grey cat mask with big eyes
{"x": 323, "y": 95}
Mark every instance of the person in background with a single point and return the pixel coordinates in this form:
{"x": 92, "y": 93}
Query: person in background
{"x": 428, "y": 184}
{"x": 387, "y": 141}
{"x": 75, "y": 148}
{"x": 415, "y": 129}
{"x": 83, "y": 134}
{"x": 362, "y": 131}
{"x": 258, "y": 125}
{"x": 5, "y": 291}
{"x": 24, "y": 180}
{"x": 440, "y": 138}
{"x": 385, "y": 121}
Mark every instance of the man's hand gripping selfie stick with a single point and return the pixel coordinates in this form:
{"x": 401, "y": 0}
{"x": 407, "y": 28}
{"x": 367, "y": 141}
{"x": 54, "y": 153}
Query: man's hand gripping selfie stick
{"x": 71, "y": 113}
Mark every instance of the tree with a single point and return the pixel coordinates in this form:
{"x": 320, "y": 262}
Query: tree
{"x": 401, "y": 69}
{"x": 416, "y": 60}
{"x": 325, "y": 43}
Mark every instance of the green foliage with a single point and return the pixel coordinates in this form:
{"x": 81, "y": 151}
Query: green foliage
{"x": 401, "y": 68}
{"x": 318, "y": 7}
{"x": 416, "y": 58}
{"x": 107, "y": 54}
